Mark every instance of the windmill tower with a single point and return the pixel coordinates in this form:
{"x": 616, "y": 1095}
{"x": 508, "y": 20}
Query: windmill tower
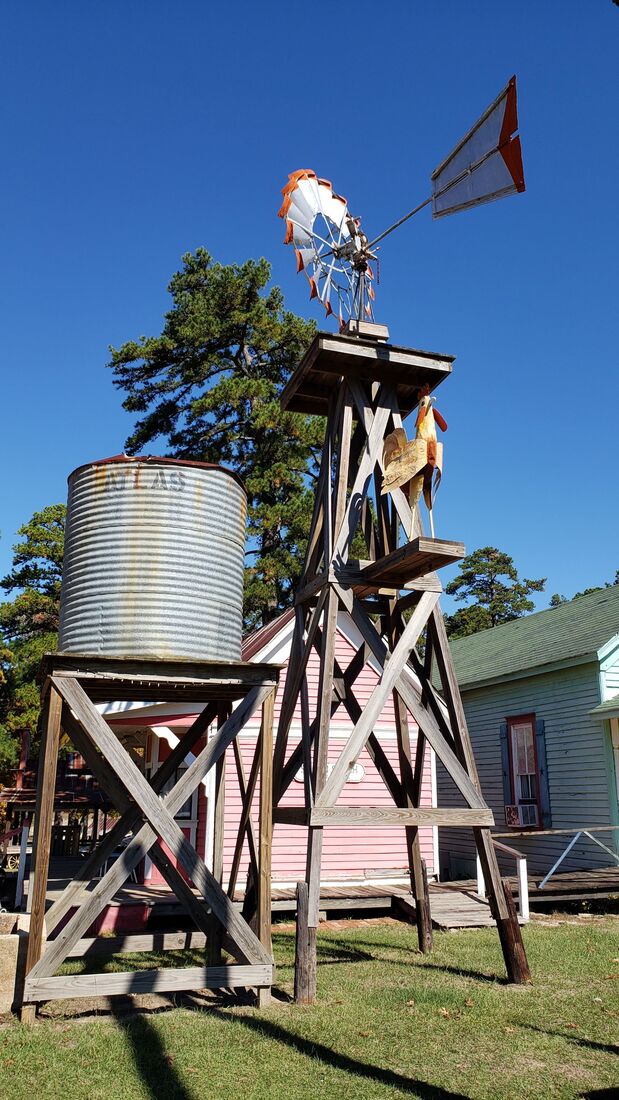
{"x": 367, "y": 554}
{"x": 391, "y": 589}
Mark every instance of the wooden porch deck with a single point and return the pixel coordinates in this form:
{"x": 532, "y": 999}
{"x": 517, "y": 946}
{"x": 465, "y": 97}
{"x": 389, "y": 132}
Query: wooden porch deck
{"x": 453, "y": 905}
{"x": 564, "y": 886}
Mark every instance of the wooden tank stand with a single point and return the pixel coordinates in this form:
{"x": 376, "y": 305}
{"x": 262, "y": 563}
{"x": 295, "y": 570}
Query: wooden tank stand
{"x": 365, "y": 388}
{"x": 231, "y": 693}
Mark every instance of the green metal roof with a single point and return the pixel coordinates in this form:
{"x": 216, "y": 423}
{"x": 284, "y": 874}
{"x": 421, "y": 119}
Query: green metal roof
{"x": 571, "y": 631}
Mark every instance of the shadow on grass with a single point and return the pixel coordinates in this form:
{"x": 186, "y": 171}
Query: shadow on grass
{"x": 460, "y": 972}
{"x": 316, "y": 1052}
{"x": 328, "y": 951}
{"x": 154, "y": 1066}
{"x": 579, "y": 1041}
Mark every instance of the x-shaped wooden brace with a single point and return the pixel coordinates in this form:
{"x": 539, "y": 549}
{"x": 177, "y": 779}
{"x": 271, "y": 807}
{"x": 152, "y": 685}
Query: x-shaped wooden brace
{"x": 159, "y": 824}
{"x": 343, "y": 695}
{"x": 373, "y": 709}
{"x": 407, "y": 686}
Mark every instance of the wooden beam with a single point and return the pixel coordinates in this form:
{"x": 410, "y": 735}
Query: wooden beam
{"x": 265, "y": 836}
{"x": 343, "y": 464}
{"x": 483, "y": 838}
{"x": 43, "y": 815}
{"x": 131, "y": 943}
{"x": 296, "y": 670}
{"x": 378, "y": 816}
{"x": 321, "y": 750}
{"x": 305, "y": 951}
{"x": 246, "y": 826}
{"x": 148, "y": 981}
{"x": 364, "y": 473}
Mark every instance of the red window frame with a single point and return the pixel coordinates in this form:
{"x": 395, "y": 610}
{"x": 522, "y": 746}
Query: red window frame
{"x": 517, "y": 720}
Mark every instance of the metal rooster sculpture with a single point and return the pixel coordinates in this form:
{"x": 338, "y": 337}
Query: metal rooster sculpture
{"x": 418, "y": 463}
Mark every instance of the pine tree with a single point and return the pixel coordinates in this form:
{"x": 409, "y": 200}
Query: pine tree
{"x": 29, "y": 625}
{"x": 209, "y": 385}
{"x": 488, "y": 578}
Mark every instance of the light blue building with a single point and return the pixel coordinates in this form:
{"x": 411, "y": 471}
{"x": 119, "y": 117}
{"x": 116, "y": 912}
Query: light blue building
{"x": 541, "y": 697}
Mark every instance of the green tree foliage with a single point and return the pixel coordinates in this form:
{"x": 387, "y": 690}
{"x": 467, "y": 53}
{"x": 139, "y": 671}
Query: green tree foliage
{"x": 28, "y": 624}
{"x": 209, "y": 384}
{"x": 488, "y": 579}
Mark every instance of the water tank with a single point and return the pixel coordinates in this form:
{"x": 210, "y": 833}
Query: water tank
{"x": 153, "y": 563}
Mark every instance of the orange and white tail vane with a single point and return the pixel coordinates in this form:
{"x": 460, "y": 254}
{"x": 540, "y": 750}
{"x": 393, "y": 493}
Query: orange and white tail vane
{"x": 329, "y": 245}
{"x": 487, "y": 163}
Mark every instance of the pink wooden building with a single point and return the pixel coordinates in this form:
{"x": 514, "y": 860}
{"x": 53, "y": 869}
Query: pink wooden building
{"x": 350, "y": 855}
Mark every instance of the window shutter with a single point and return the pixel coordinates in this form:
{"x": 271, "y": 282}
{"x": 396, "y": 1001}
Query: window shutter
{"x": 507, "y": 779}
{"x": 544, "y": 790}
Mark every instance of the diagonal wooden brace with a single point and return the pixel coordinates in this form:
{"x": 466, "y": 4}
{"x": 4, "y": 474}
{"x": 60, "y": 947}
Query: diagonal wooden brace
{"x": 155, "y": 811}
{"x": 409, "y": 692}
{"x": 371, "y": 713}
{"x": 246, "y": 943}
{"x": 127, "y": 822}
{"x": 109, "y": 781}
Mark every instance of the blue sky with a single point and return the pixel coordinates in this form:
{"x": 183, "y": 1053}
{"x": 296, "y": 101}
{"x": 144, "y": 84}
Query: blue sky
{"x": 136, "y": 131}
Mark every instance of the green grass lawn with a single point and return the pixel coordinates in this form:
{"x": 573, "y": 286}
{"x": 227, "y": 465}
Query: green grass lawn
{"x": 388, "y": 1022}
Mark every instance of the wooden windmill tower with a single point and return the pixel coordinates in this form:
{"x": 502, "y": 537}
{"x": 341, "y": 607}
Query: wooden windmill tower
{"x": 391, "y": 591}
{"x": 367, "y": 554}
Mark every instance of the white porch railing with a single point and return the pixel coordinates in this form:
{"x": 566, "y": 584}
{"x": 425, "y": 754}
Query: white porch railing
{"x": 568, "y": 848}
{"x": 521, "y": 873}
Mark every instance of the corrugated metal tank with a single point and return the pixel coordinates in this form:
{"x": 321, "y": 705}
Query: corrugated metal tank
{"x": 153, "y": 564}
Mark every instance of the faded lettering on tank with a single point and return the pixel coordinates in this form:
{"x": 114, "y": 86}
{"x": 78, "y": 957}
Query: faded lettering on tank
{"x": 137, "y": 477}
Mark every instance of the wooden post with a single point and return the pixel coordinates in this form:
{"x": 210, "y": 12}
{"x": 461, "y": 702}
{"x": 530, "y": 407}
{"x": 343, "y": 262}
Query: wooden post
{"x": 21, "y": 870}
{"x": 416, "y": 865}
{"x": 510, "y": 935}
{"x": 266, "y": 836}
{"x": 44, "y": 812}
{"x": 422, "y": 913}
{"x": 505, "y": 915}
{"x": 215, "y": 939}
{"x": 305, "y": 952}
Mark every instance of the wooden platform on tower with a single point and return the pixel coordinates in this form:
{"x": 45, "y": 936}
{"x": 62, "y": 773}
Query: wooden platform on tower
{"x": 231, "y": 693}
{"x": 367, "y": 555}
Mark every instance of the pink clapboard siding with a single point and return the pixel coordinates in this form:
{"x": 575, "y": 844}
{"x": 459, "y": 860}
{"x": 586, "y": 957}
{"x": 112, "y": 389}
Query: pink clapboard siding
{"x": 348, "y": 853}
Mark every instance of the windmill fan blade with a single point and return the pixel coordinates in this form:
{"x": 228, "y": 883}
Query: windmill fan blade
{"x": 487, "y": 163}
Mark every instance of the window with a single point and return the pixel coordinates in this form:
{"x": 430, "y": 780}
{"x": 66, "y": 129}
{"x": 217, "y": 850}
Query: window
{"x": 521, "y": 773}
{"x": 188, "y": 810}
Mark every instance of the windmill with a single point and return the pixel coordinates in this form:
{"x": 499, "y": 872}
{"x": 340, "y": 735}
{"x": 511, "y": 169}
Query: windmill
{"x": 366, "y": 387}
{"x": 334, "y": 252}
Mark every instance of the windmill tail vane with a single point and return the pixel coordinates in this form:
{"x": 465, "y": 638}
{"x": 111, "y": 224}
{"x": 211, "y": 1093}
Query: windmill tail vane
{"x": 334, "y": 252}
{"x": 486, "y": 164}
